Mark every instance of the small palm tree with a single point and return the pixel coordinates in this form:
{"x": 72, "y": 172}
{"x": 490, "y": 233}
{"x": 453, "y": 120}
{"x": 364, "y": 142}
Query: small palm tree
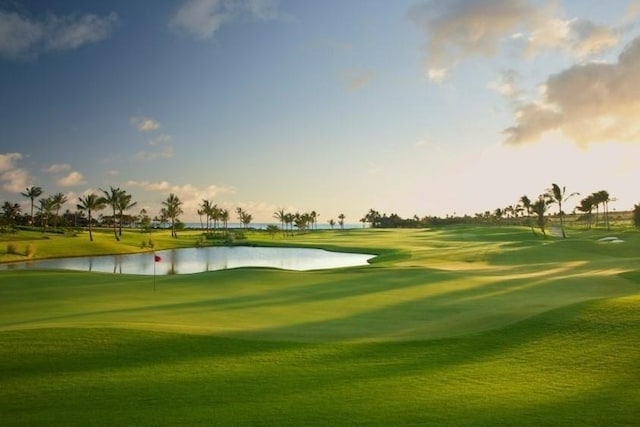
{"x": 32, "y": 193}
{"x": 90, "y": 203}
{"x": 58, "y": 199}
{"x": 332, "y": 223}
{"x": 46, "y": 209}
{"x": 539, "y": 207}
{"x": 557, "y": 195}
{"x": 173, "y": 211}
{"x": 525, "y": 202}
{"x": 341, "y": 218}
{"x": 112, "y": 198}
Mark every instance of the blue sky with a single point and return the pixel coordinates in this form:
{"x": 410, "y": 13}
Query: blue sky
{"x": 413, "y": 107}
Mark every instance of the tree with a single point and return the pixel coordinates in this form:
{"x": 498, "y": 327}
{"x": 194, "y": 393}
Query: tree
{"x": 46, "y": 209}
{"x": 332, "y": 223}
{"x": 557, "y": 195}
{"x": 539, "y": 207}
{"x": 58, "y": 200}
{"x": 32, "y": 193}
{"x": 280, "y": 215}
{"x": 341, "y": 218}
{"x": 636, "y": 215}
{"x": 224, "y": 217}
{"x": 525, "y": 202}
{"x": 173, "y": 211}
{"x": 124, "y": 203}
{"x": 603, "y": 197}
{"x": 90, "y": 203}
{"x": 586, "y": 206}
{"x": 246, "y": 219}
{"x": 10, "y": 212}
{"x": 112, "y": 198}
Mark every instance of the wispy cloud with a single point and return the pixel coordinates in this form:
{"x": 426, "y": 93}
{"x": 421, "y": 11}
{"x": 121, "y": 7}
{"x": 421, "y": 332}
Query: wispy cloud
{"x": 593, "y": 102}
{"x": 506, "y": 84}
{"x": 58, "y": 168}
{"x": 356, "y": 79}
{"x": 14, "y": 178}
{"x": 23, "y": 37}
{"x": 145, "y": 124}
{"x": 164, "y": 153}
{"x": 201, "y": 19}
{"x": 71, "y": 179}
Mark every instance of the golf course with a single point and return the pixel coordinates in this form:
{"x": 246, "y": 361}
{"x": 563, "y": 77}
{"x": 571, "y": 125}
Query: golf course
{"x": 462, "y": 325}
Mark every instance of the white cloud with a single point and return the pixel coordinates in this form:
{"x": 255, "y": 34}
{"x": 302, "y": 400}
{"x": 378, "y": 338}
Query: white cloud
{"x": 72, "y": 179}
{"x": 506, "y": 84}
{"x": 22, "y": 36}
{"x": 161, "y": 140}
{"x": 459, "y": 29}
{"x": 201, "y": 19}
{"x": 7, "y": 161}
{"x": 145, "y": 124}
{"x": 15, "y": 180}
{"x": 593, "y": 102}
{"x": 58, "y": 168}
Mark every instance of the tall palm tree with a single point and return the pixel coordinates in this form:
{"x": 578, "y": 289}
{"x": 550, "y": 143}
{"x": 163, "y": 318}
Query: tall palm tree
{"x": 539, "y": 207}
{"x": 341, "y": 218}
{"x": 124, "y": 203}
{"x": 557, "y": 195}
{"x": 58, "y": 199}
{"x": 603, "y": 197}
{"x": 112, "y": 198}
{"x": 224, "y": 217}
{"x": 206, "y": 207}
{"x": 32, "y": 193}
{"x": 525, "y": 202}
{"x": 173, "y": 211}
{"x": 289, "y": 218}
{"x": 90, "y": 203}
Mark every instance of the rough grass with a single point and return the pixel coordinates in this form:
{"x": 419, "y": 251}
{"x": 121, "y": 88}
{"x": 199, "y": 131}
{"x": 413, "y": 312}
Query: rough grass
{"x": 464, "y": 325}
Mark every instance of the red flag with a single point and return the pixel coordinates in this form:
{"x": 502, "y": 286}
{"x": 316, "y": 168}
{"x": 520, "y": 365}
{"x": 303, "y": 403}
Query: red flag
{"x": 157, "y": 258}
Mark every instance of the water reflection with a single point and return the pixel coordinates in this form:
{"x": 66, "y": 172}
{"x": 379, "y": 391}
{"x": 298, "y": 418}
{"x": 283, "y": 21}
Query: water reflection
{"x": 196, "y": 260}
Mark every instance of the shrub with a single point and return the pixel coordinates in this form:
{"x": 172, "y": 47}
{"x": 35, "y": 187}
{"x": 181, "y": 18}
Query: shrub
{"x": 12, "y": 248}
{"x": 31, "y": 250}
{"x": 636, "y": 215}
{"x": 143, "y": 245}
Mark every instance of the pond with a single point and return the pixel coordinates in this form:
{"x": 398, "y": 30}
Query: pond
{"x": 196, "y": 260}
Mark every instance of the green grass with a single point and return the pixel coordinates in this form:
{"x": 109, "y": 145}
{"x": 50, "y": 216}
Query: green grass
{"x": 461, "y": 325}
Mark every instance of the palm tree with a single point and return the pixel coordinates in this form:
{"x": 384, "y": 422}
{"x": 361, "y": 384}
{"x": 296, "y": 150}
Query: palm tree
{"x": 539, "y": 207}
{"x": 58, "y": 200}
{"x": 246, "y": 219}
{"x": 112, "y": 198}
{"x": 280, "y": 215}
{"x": 90, "y": 203}
{"x": 32, "y": 193}
{"x": 603, "y": 197}
{"x": 313, "y": 219}
{"x": 124, "y": 203}
{"x": 224, "y": 217}
{"x": 341, "y": 220}
{"x": 46, "y": 209}
{"x": 557, "y": 195}
{"x": 240, "y": 214}
{"x": 586, "y": 206}
{"x": 332, "y": 223}
{"x": 525, "y": 202}
{"x": 200, "y": 213}
{"x": 173, "y": 211}
{"x": 10, "y": 212}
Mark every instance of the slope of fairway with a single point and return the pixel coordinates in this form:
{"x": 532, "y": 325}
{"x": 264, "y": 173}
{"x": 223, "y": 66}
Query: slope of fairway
{"x": 577, "y": 365}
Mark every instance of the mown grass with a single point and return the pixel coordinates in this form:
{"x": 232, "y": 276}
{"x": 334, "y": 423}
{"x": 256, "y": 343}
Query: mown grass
{"x": 460, "y": 325}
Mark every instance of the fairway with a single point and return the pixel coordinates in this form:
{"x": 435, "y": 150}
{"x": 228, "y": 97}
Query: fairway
{"x": 460, "y": 325}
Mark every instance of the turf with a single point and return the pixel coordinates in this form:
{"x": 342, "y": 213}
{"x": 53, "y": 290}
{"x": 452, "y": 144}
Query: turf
{"x": 464, "y": 325}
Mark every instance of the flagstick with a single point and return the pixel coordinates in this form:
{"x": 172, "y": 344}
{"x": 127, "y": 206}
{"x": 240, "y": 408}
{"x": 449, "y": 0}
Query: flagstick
{"x": 154, "y": 271}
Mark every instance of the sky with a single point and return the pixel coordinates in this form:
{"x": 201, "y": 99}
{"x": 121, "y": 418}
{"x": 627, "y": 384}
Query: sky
{"x": 422, "y": 107}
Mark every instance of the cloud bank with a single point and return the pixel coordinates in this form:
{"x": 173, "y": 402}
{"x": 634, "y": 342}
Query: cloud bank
{"x": 24, "y": 37}
{"x": 592, "y": 102}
